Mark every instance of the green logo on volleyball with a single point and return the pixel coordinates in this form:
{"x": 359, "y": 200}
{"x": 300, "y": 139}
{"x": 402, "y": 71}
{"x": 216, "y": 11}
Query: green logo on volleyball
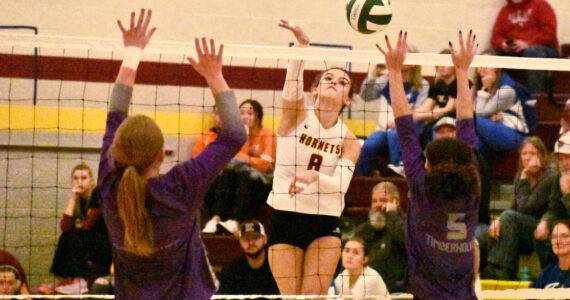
{"x": 368, "y": 16}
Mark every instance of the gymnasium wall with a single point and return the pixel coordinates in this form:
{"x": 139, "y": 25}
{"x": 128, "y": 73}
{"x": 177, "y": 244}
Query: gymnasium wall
{"x": 35, "y": 164}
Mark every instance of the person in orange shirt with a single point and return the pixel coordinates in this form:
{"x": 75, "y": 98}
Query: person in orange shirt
{"x": 245, "y": 183}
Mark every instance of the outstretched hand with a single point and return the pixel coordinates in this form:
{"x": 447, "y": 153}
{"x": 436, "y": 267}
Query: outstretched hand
{"x": 463, "y": 56}
{"x": 138, "y": 34}
{"x": 300, "y": 35}
{"x": 209, "y": 64}
{"x": 395, "y": 57}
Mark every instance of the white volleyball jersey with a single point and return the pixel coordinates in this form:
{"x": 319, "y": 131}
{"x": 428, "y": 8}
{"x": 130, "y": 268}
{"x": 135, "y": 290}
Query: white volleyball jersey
{"x": 309, "y": 146}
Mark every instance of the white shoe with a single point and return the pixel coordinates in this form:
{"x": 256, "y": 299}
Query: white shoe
{"x": 77, "y": 286}
{"x": 211, "y": 227}
{"x": 398, "y": 170}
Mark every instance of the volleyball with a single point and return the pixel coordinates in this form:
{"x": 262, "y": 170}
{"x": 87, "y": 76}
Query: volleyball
{"x": 368, "y": 16}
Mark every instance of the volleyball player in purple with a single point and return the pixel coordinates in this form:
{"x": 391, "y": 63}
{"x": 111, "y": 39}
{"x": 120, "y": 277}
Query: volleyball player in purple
{"x": 444, "y": 191}
{"x": 152, "y": 218}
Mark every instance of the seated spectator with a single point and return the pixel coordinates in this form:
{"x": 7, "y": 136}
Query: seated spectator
{"x": 13, "y": 279}
{"x": 500, "y": 121}
{"x": 358, "y": 279}
{"x": 83, "y": 251}
{"x": 559, "y": 201}
{"x": 557, "y": 275}
{"x": 527, "y": 28}
{"x": 441, "y": 96}
{"x": 385, "y": 138}
{"x": 249, "y": 274}
{"x": 384, "y": 233}
{"x": 445, "y": 128}
{"x": 374, "y": 83}
{"x": 511, "y": 234}
{"x": 246, "y": 181}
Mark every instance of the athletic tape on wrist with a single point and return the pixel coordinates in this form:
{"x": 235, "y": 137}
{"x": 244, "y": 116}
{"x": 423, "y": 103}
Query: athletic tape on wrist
{"x": 132, "y": 57}
{"x": 293, "y": 87}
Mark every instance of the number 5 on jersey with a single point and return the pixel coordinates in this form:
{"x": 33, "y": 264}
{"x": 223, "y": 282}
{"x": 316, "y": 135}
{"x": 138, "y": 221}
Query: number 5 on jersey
{"x": 456, "y": 230}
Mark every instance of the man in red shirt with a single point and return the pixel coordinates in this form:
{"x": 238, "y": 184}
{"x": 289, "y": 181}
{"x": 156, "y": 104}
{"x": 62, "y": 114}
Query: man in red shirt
{"x": 527, "y": 28}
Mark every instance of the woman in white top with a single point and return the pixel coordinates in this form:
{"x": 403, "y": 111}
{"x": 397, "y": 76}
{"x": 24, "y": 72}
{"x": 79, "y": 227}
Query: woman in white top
{"x": 316, "y": 155}
{"x": 358, "y": 279}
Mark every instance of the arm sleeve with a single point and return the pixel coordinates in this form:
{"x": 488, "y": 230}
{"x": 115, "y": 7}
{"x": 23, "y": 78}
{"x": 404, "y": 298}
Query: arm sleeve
{"x": 67, "y": 223}
{"x": 466, "y": 132}
{"x": 191, "y": 178}
{"x": 411, "y": 148}
{"x": 537, "y": 199}
{"x": 545, "y": 32}
{"x": 337, "y": 183}
{"x": 500, "y": 101}
{"x": 422, "y": 95}
{"x": 372, "y": 87}
{"x": 120, "y": 100}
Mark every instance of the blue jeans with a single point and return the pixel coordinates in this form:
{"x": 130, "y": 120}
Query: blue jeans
{"x": 516, "y": 237}
{"x": 380, "y": 141}
{"x": 537, "y": 78}
{"x": 496, "y": 137}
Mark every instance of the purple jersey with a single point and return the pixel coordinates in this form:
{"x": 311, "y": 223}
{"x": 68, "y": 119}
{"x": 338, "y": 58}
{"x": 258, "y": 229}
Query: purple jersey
{"x": 179, "y": 268}
{"x": 439, "y": 232}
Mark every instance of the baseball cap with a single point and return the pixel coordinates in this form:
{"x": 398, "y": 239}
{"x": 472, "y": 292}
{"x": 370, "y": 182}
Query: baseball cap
{"x": 252, "y": 227}
{"x": 449, "y": 121}
{"x": 563, "y": 144}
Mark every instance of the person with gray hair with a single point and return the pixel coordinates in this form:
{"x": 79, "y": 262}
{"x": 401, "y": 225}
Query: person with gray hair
{"x": 384, "y": 232}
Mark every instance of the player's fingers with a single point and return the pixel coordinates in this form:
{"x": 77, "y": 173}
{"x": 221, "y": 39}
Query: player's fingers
{"x": 388, "y": 45}
{"x": 205, "y": 47}
{"x": 132, "y": 20}
{"x": 121, "y": 26}
{"x": 141, "y": 18}
{"x": 380, "y": 48}
{"x": 221, "y": 51}
{"x": 198, "y": 49}
{"x": 147, "y": 19}
{"x": 151, "y": 32}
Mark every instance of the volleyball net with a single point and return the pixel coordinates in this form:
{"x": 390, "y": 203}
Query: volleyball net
{"x": 54, "y": 93}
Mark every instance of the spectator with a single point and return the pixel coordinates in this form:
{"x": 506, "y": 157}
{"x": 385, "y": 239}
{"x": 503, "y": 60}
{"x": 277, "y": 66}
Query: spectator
{"x": 385, "y": 138}
{"x": 358, "y": 279}
{"x": 501, "y": 124}
{"x": 13, "y": 279}
{"x": 83, "y": 252}
{"x": 557, "y": 274}
{"x": 384, "y": 232}
{"x": 445, "y": 128}
{"x": 559, "y": 202}
{"x": 441, "y": 96}
{"x": 250, "y": 274}
{"x": 527, "y": 28}
{"x": 374, "y": 83}
{"x": 511, "y": 234}
{"x": 209, "y": 136}
{"x": 246, "y": 181}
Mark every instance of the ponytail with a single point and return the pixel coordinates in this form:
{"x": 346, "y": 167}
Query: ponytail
{"x": 134, "y": 214}
{"x": 137, "y": 144}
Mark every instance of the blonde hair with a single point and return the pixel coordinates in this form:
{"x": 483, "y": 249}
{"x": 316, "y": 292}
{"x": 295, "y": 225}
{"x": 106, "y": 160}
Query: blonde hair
{"x": 416, "y": 78}
{"x": 390, "y": 188}
{"x": 137, "y": 144}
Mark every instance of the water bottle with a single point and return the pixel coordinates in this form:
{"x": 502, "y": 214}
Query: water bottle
{"x": 524, "y": 274}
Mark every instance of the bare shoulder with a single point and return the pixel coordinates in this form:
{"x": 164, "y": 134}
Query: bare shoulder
{"x": 351, "y": 147}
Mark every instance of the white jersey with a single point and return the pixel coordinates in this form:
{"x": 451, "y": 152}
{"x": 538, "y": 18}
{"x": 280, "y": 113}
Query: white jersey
{"x": 309, "y": 146}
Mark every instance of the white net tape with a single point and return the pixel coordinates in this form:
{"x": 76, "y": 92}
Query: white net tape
{"x": 486, "y": 294}
{"x": 310, "y": 54}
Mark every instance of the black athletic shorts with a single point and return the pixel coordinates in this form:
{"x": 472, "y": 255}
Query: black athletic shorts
{"x": 300, "y": 230}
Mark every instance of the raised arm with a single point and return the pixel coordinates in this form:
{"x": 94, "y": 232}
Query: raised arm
{"x": 293, "y": 100}
{"x": 395, "y": 58}
{"x": 135, "y": 39}
{"x": 462, "y": 58}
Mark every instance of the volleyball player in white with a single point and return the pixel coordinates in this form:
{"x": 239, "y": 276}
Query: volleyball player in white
{"x": 316, "y": 155}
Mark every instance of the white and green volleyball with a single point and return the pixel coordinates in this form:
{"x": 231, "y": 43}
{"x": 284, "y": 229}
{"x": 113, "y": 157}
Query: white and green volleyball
{"x": 368, "y": 16}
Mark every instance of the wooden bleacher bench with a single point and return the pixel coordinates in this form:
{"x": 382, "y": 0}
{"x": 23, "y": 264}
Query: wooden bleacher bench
{"x": 221, "y": 249}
